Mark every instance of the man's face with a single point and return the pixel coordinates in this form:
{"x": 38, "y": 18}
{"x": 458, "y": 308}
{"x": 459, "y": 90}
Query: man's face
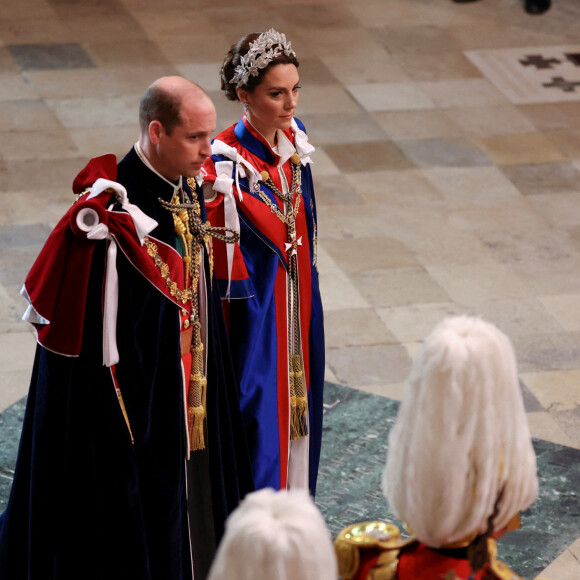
{"x": 185, "y": 149}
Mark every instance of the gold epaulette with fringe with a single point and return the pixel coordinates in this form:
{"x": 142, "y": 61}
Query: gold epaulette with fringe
{"x": 366, "y": 535}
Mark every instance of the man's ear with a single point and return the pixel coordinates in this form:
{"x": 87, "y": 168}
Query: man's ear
{"x": 156, "y": 131}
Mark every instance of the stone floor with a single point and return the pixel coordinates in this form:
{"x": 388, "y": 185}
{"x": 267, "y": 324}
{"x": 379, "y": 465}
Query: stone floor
{"x": 447, "y": 167}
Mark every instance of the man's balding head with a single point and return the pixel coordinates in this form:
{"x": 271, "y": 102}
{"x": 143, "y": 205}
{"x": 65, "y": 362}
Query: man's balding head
{"x": 163, "y": 99}
{"x": 177, "y": 118}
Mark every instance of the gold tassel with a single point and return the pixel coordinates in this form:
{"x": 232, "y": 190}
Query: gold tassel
{"x": 196, "y": 416}
{"x": 124, "y": 411}
{"x": 298, "y": 400}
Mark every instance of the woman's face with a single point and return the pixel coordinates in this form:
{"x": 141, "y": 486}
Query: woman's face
{"x": 272, "y": 103}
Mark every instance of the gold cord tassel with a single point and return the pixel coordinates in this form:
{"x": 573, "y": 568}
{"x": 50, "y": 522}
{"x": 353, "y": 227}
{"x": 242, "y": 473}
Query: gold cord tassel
{"x": 196, "y": 394}
{"x": 298, "y": 400}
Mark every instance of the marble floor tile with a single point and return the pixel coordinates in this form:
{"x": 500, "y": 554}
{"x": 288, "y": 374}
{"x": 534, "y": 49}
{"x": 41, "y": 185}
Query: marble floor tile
{"x": 394, "y": 391}
{"x": 390, "y": 96}
{"x": 314, "y": 72}
{"x": 51, "y": 56}
{"x": 341, "y": 128}
{"x": 7, "y": 62}
{"x": 565, "y": 567}
{"x": 400, "y": 287}
{"x": 318, "y": 16}
{"x": 95, "y": 141}
{"x": 95, "y": 111}
{"x": 489, "y": 121}
{"x": 556, "y": 391}
{"x": 27, "y": 115}
{"x": 567, "y": 142}
{"x": 463, "y": 93}
{"x": 358, "y": 255}
{"x": 443, "y": 152}
{"x": 462, "y": 187}
{"x": 542, "y": 426}
{"x": 21, "y": 145}
{"x": 185, "y": 49}
{"x": 470, "y": 285}
{"x": 420, "y": 124}
{"x": 520, "y": 149}
{"x": 324, "y": 164}
{"x": 560, "y": 209}
{"x": 365, "y": 365}
{"x": 173, "y": 21}
{"x": 335, "y": 190}
{"x": 14, "y": 383}
{"x": 126, "y": 53}
{"x": 40, "y": 173}
{"x": 326, "y": 99}
{"x": 17, "y": 351}
{"x": 399, "y": 186}
{"x": 423, "y": 66}
{"x": 541, "y": 353}
{"x": 415, "y": 321}
{"x": 14, "y": 87}
{"x": 336, "y": 289}
{"x": 369, "y": 156}
{"x": 14, "y": 11}
{"x": 552, "y": 116}
{"x": 543, "y": 178}
{"x": 41, "y": 206}
{"x": 355, "y": 327}
{"x": 416, "y": 39}
{"x": 116, "y": 82}
{"x": 564, "y": 308}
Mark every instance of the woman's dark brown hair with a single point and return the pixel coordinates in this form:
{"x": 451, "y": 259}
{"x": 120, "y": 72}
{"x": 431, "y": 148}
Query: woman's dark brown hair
{"x": 232, "y": 60}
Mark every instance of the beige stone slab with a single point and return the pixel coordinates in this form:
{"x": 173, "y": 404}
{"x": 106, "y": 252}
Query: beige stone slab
{"x": 17, "y": 350}
{"x": 557, "y": 390}
{"x": 323, "y": 164}
{"x": 419, "y": 124}
{"x": 27, "y": 115}
{"x": 40, "y": 174}
{"x": 553, "y": 353}
{"x": 94, "y": 83}
{"x": 374, "y": 68}
{"x": 565, "y": 308}
{"x": 96, "y": 112}
{"x": 174, "y": 21}
{"x": 47, "y": 144}
{"x": 553, "y": 116}
{"x": 561, "y": 210}
{"x": 521, "y": 148}
{"x": 35, "y": 206}
{"x": 194, "y": 48}
{"x": 355, "y": 327}
{"x": 567, "y": 142}
{"x": 542, "y": 426}
{"x": 205, "y": 74}
{"x": 405, "y": 187}
{"x": 35, "y": 30}
{"x": 125, "y": 52}
{"x": 358, "y": 255}
{"x": 14, "y": 86}
{"x": 418, "y": 39}
{"x": 329, "y": 375}
{"x": 14, "y": 11}
{"x": 393, "y": 391}
{"x": 434, "y": 67}
{"x": 415, "y": 321}
{"x": 463, "y": 187}
{"x": 13, "y": 386}
{"x": 565, "y": 567}
{"x": 10, "y": 313}
{"x": 489, "y": 121}
{"x": 470, "y": 285}
{"x": 366, "y": 365}
{"x": 337, "y": 291}
{"x": 95, "y": 141}
{"x": 325, "y": 99}
{"x": 399, "y": 287}
{"x": 390, "y": 96}
{"x": 463, "y": 93}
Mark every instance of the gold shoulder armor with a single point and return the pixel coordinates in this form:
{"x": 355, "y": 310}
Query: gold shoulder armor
{"x": 365, "y": 535}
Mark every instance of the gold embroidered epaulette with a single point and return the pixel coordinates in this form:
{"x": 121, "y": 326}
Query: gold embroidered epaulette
{"x": 380, "y": 535}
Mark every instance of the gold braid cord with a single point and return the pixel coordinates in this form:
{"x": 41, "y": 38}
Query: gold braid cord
{"x": 193, "y": 233}
{"x": 297, "y": 383}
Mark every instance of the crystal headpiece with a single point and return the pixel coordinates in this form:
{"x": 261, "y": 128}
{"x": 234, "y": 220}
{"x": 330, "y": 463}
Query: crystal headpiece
{"x": 268, "y": 46}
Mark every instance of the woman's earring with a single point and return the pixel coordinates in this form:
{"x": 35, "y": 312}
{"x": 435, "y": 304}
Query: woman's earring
{"x": 246, "y": 107}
